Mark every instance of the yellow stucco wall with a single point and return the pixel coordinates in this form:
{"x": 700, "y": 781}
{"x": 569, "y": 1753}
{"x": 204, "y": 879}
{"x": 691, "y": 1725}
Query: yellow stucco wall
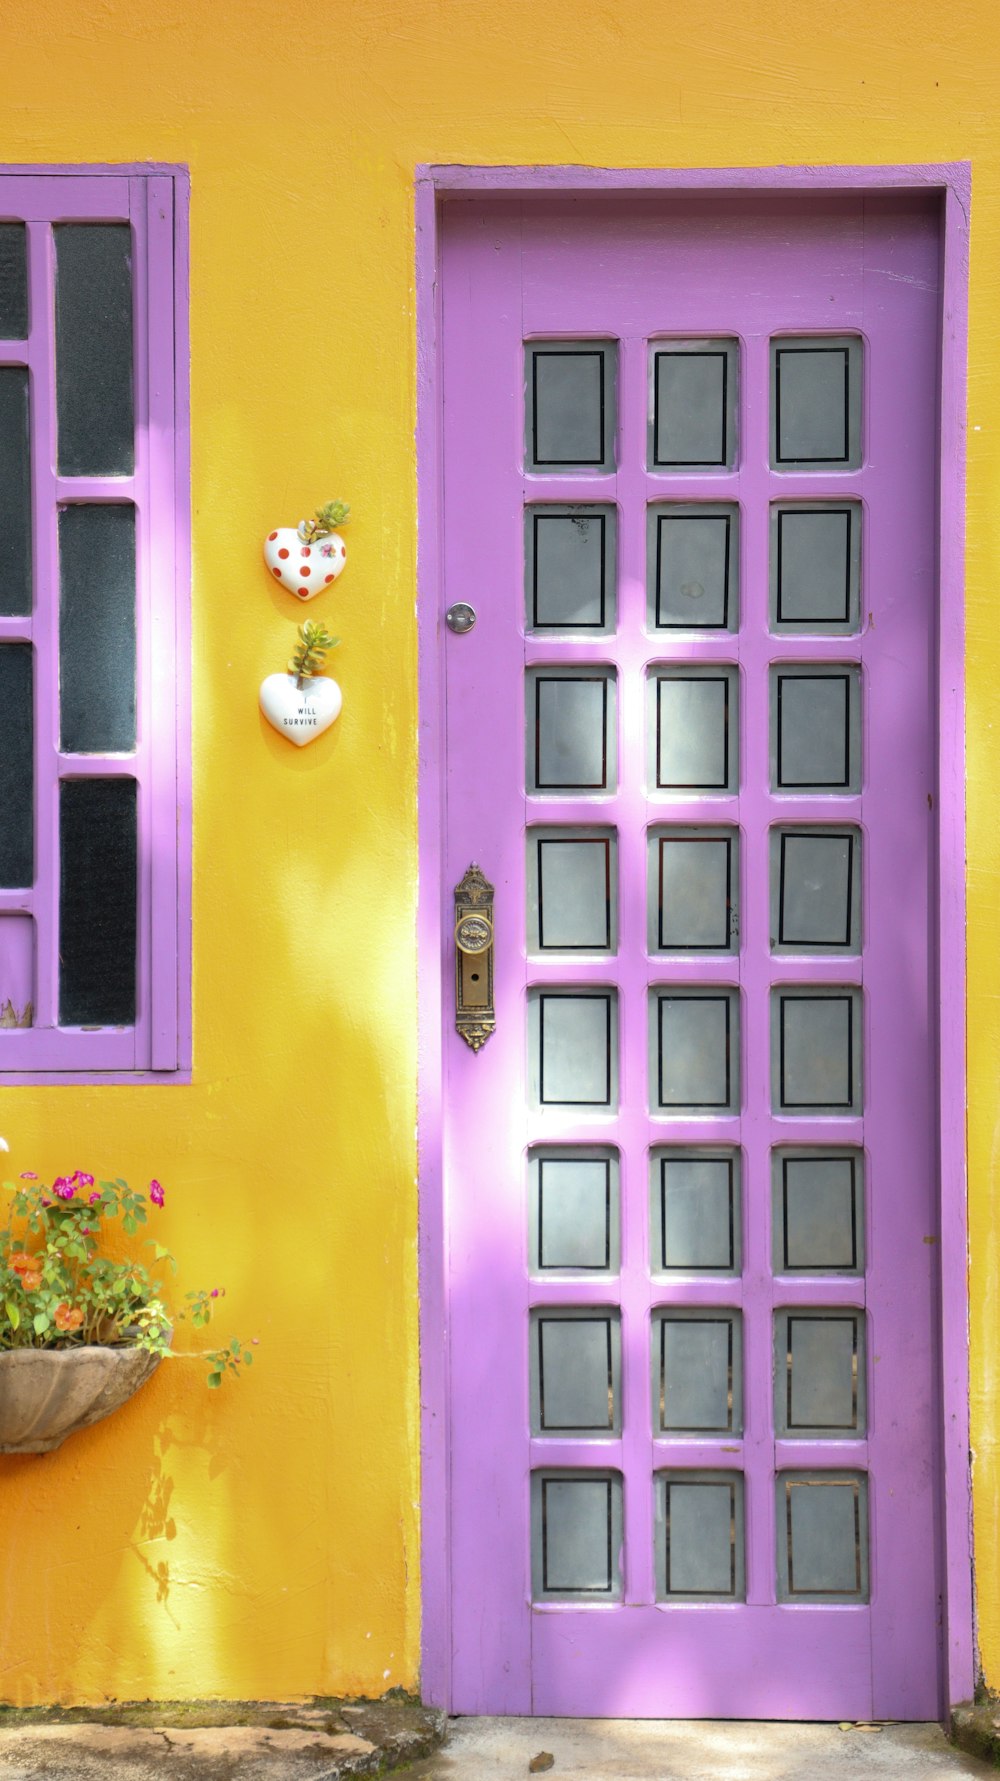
{"x": 263, "y": 1541}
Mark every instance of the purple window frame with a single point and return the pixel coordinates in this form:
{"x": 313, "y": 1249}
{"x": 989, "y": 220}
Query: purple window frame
{"x": 153, "y": 201}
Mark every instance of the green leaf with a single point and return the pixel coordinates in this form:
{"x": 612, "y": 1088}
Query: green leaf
{"x": 214, "y": 1380}
{"x": 13, "y": 1314}
{"x": 40, "y": 1322}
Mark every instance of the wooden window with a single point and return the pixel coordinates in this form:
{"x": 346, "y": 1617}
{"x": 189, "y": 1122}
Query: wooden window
{"x": 94, "y": 823}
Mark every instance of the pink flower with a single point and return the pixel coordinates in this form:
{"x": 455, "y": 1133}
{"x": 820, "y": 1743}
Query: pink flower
{"x": 46, "y": 1202}
{"x": 81, "y": 1179}
{"x": 214, "y": 1293}
{"x": 64, "y": 1189}
{"x": 92, "y": 1199}
{"x": 28, "y": 1175}
{"x": 156, "y": 1193}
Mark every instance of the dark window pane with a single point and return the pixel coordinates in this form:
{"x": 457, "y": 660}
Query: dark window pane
{"x": 94, "y": 349}
{"x": 13, "y": 281}
{"x": 97, "y": 629}
{"x": 17, "y": 779}
{"x": 15, "y": 494}
{"x": 97, "y": 902}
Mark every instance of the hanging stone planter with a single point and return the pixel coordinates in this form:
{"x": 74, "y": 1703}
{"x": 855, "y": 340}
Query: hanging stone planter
{"x": 49, "y": 1393}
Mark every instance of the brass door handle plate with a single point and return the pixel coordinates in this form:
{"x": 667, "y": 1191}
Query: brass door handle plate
{"x": 475, "y": 1017}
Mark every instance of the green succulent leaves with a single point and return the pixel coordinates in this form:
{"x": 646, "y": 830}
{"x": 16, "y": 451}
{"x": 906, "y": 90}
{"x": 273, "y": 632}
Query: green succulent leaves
{"x": 328, "y": 517}
{"x": 310, "y": 653}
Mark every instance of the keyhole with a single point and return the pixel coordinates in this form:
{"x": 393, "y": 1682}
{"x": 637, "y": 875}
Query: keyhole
{"x": 475, "y": 976}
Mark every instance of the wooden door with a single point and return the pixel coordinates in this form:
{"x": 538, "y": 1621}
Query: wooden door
{"x": 689, "y": 470}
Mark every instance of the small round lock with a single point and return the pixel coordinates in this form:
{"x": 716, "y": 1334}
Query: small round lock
{"x": 473, "y": 933}
{"x": 460, "y": 618}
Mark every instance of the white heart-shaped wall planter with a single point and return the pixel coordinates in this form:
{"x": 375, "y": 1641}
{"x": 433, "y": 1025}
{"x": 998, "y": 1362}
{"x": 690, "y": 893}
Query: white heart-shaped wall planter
{"x": 305, "y": 569}
{"x": 300, "y": 713}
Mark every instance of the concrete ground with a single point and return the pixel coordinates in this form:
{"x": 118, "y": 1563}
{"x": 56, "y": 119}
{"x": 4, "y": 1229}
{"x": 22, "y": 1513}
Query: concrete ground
{"x": 337, "y": 1743}
{"x": 656, "y": 1750}
{"x": 205, "y": 1741}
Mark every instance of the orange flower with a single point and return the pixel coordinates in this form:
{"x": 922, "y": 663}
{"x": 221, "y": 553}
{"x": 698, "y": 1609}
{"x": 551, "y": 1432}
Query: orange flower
{"x": 31, "y": 1279}
{"x": 68, "y": 1317}
{"x": 20, "y": 1260}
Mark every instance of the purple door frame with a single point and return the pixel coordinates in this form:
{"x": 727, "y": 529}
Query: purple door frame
{"x": 952, "y": 183}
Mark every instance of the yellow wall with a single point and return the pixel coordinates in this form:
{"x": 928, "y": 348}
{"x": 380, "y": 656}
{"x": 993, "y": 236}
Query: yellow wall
{"x": 263, "y": 1541}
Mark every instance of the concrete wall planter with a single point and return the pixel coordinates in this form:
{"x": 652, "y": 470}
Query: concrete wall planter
{"x": 49, "y": 1393}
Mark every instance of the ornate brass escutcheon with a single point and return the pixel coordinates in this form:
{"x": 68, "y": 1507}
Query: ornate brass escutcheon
{"x": 474, "y": 1015}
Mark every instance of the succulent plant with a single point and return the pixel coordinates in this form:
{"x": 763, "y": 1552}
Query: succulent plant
{"x": 310, "y": 654}
{"x": 328, "y": 517}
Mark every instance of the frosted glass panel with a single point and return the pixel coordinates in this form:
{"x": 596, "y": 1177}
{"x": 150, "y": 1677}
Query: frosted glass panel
{"x": 15, "y": 494}
{"x": 818, "y": 1211}
{"x": 694, "y": 1042}
{"x": 693, "y": 881}
{"x": 698, "y": 1372}
{"x": 816, "y": 568}
{"x": 699, "y": 1536}
{"x": 576, "y": 1536}
{"x": 816, "y": 729}
{"x": 822, "y": 1526}
{"x": 573, "y": 1047}
{"x": 17, "y": 972}
{"x": 692, "y": 568}
{"x": 815, "y": 890}
{"x": 13, "y": 281}
{"x": 695, "y": 1205}
{"x": 816, "y": 1043}
{"x": 94, "y": 400}
{"x": 693, "y": 405}
{"x": 570, "y": 568}
{"x": 575, "y": 1372}
{"x": 816, "y": 403}
{"x": 573, "y": 1220}
{"x": 17, "y": 821}
{"x": 819, "y": 1374}
{"x": 97, "y": 689}
{"x": 570, "y": 405}
{"x": 692, "y": 730}
{"x": 572, "y": 890}
{"x": 571, "y": 731}
{"x": 97, "y": 902}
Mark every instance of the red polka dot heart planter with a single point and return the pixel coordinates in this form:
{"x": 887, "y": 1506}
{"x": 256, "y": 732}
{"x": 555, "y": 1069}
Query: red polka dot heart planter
{"x": 305, "y": 569}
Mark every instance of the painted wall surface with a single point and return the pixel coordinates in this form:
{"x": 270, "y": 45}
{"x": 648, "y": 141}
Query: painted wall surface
{"x": 262, "y": 1541}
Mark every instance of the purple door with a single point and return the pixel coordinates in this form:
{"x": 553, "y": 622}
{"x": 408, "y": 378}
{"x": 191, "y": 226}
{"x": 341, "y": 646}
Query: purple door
{"x": 689, "y": 477}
